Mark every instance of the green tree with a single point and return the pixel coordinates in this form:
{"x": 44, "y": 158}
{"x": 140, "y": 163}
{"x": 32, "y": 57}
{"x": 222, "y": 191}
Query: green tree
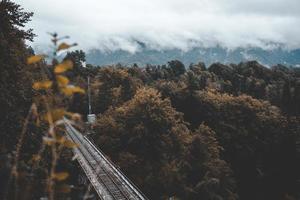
{"x": 145, "y": 136}
{"x": 115, "y": 86}
{"x": 286, "y": 99}
{"x": 150, "y": 141}
{"x": 257, "y": 139}
{"x": 177, "y": 67}
{"x": 207, "y": 175}
{"x": 15, "y": 82}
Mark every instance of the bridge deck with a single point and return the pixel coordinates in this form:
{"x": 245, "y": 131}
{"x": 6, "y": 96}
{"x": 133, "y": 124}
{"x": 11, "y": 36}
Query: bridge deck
{"x": 108, "y": 181}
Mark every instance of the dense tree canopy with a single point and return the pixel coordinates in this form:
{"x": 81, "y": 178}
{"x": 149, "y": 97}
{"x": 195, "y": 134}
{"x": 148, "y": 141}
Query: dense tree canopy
{"x": 236, "y": 104}
{"x": 152, "y": 143}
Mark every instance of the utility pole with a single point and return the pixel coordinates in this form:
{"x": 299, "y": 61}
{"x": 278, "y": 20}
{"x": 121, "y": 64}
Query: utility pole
{"x": 89, "y": 95}
{"x": 91, "y": 118}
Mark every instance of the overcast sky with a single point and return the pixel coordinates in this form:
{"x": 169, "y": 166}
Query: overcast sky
{"x": 168, "y": 23}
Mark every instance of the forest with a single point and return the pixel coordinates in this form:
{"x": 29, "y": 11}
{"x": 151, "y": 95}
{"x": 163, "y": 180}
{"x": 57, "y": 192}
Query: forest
{"x": 218, "y": 132}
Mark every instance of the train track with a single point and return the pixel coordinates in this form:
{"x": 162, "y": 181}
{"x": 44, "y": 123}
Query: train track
{"x": 109, "y": 182}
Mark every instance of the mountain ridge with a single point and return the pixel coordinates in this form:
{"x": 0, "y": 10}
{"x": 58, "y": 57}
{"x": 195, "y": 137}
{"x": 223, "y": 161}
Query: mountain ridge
{"x": 145, "y": 55}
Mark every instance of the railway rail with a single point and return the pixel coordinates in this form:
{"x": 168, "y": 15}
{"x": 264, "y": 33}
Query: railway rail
{"x": 108, "y": 181}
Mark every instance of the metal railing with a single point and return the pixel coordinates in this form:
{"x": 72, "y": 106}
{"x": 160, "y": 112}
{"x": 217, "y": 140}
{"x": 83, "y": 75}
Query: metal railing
{"x": 108, "y": 181}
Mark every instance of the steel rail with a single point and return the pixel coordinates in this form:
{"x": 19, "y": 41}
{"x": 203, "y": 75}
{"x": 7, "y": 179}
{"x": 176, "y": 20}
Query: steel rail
{"x": 90, "y": 158}
{"x": 87, "y": 168}
{"x": 120, "y": 173}
{"x": 117, "y": 184}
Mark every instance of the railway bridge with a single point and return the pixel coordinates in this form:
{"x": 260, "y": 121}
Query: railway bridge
{"x": 108, "y": 181}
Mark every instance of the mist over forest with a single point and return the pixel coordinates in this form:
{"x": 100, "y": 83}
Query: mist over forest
{"x": 145, "y": 55}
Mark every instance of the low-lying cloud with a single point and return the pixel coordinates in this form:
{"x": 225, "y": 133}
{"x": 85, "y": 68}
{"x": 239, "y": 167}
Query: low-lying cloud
{"x": 166, "y": 24}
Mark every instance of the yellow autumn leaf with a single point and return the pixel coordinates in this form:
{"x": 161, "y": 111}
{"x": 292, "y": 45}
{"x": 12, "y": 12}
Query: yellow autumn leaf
{"x": 78, "y": 90}
{"x": 34, "y": 59}
{"x": 69, "y": 144}
{"x": 63, "y": 46}
{"x": 61, "y": 176}
{"x": 69, "y": 114}
{"x": 56, "y": 114}
{"x": 70, "y": 90}
{"x": 43, "y": 85}
{"x": 62, "y": 80}
{"x": 67, "y": 91}
{"x": 60, "y": 139}
{"x": 64, "y": 66}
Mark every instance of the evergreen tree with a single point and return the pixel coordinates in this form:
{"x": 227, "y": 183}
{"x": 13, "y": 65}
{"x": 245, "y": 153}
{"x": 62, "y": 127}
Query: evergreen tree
{"x": 15, "y": 82}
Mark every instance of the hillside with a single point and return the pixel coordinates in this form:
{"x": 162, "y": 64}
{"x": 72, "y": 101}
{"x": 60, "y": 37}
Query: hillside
{"x": 145, "y": 55}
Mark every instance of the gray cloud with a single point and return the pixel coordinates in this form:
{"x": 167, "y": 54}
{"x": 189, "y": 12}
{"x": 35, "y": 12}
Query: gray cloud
{"x": 164, "y": 24}
{"x": 265, "y": 7}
